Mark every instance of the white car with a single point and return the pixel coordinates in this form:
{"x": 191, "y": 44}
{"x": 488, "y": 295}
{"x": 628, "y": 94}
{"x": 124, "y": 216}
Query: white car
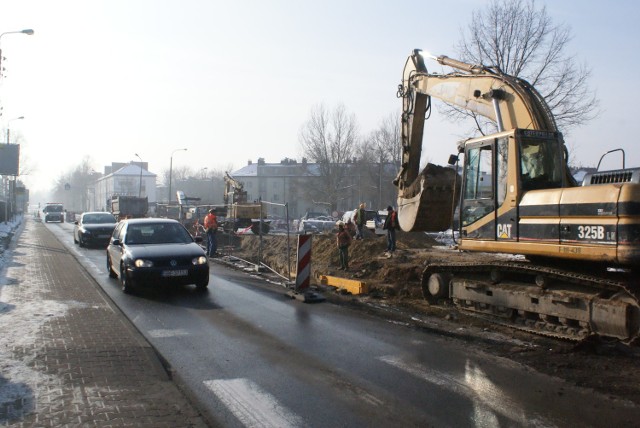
{"x": 375, "y": 224}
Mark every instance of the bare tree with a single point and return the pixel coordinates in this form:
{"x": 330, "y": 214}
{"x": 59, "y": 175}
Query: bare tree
{"x": 379, "y": 155}
{"x": 329, "y": 139}
{"x": 521, "y": 40}
{"x": 383, "y": 144}
{"x": 178, "y": 173}
{"x": 71, "y": 187}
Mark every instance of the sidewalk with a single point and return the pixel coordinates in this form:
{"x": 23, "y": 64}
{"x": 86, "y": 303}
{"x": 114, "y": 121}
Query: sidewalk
{"x": 68, "y": 356}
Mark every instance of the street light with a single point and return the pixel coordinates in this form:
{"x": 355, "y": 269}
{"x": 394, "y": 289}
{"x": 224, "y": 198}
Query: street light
{"x": 140, "y": 186}
{"x": 28, "y": 32}
{"x": 171, "y": 169}
{"x": 8, "y": 124}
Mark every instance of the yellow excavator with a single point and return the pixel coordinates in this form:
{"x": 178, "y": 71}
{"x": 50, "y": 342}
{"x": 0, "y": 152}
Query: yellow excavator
{"x": 581, "y": 243}
{"x": 242, "y": 214}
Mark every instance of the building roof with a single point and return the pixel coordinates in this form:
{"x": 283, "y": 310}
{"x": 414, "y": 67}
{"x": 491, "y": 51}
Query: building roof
{"x": 129, "y": 169}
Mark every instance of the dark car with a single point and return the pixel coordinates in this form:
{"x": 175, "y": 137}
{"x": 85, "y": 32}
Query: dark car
{"x": 93, "y": 229}
{"x": 156, "y": 251}
{"x": 53, "y": 212}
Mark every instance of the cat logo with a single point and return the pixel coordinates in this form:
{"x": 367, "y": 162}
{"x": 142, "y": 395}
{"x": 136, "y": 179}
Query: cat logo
{"x": 504, "y": 231}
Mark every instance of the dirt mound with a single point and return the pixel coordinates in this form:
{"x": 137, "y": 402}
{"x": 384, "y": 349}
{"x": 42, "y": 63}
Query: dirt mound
{"x": 400, "y": 275}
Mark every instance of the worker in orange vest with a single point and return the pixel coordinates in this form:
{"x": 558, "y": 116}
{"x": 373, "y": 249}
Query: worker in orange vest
{"x": 211, "y": 228}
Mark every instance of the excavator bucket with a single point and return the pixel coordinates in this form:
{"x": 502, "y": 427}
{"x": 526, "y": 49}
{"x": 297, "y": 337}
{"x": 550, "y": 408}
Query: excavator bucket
{"x": 428, "y": 204}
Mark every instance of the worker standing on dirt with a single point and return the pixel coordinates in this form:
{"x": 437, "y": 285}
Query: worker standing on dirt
{"x": 343, "y": 240}
{"x": 390, "y": 225}
{"x": 360, "y": 218}
{"x": 211, "y": 228}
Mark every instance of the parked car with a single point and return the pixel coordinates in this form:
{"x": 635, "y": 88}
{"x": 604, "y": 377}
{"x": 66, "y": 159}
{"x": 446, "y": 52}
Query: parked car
{"x": 93, "y": 228}
{"x": 156, "y": 251}
{"x": 374, "y": 220}
{"x": 316, "y": 225}
{"x": 376, "y": 223}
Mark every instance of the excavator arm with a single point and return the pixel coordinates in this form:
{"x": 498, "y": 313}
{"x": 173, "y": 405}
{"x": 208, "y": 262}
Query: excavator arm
{"x": 508, "y": 101}
{"x": 233, "y": 188}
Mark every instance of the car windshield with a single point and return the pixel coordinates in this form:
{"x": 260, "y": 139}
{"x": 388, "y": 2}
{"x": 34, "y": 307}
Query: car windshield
{"x": 53, "y": 208}
{"x": 159, "y": 233}
{"x": 98, "y": 218}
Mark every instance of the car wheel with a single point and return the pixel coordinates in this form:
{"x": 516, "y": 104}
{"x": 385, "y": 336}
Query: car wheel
{"x": 112, "y": 273}
{"x": 203, "y": 284}
{"x": 126, "y": 283}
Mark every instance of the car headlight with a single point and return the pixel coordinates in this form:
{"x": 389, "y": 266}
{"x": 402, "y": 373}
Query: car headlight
{"x": 199, "y": 260}
{"x": 143, "y": 263}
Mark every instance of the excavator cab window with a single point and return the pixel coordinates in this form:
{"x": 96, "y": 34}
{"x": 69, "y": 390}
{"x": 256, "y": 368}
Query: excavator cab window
{"x": 478, "y": 184}
{"x": 482, "y": 194}
{"x": 540, "y": 163}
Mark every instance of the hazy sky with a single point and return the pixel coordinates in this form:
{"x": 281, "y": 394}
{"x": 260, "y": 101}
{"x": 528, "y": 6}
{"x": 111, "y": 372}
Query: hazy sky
{"x": 233, "y": 81}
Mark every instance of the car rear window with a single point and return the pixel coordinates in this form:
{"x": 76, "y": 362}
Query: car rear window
{"x": 161, "y": 233}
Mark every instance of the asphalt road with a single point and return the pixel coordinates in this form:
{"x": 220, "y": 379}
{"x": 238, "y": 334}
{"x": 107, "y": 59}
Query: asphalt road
{"x": 253, "y": 357}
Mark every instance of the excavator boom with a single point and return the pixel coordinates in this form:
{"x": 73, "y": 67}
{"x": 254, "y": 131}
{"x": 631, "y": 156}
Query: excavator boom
{"x": 508, "y": 101}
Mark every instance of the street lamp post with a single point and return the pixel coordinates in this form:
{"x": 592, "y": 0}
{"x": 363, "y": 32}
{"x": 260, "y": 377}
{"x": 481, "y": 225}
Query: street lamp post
{"x": 171, "y": 169}
{"x": 28, "y": 32}
{"x": 8, "y": 127}
{"x": 140, "y": 184}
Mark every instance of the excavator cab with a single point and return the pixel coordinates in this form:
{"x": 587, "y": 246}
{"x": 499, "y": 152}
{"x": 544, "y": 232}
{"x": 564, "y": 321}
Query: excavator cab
{"x": 498, "y": 170}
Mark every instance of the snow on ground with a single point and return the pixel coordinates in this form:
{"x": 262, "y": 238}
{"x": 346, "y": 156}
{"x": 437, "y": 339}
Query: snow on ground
{"x": 22, "y": 314}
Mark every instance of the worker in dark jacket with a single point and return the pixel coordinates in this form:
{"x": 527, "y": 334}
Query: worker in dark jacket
{"x": 343, "y": 240}
{"x": 390, "y": 225}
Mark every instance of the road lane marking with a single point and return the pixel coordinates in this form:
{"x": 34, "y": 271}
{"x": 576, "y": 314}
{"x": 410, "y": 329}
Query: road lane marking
{"x": 165, "y": 333}
{"x": 487, "y": 398}
{"x": 251, "y": 405}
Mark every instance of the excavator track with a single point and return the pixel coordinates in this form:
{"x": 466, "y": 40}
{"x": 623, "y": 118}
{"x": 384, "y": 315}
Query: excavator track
{"x": 545, "y": 300}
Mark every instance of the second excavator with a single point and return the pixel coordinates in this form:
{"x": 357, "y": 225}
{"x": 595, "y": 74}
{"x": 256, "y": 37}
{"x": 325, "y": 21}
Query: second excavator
{"x": 581, "y": 243}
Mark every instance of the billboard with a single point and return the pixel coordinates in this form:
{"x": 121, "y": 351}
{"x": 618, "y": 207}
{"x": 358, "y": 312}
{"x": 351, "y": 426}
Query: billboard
{"x": 9, "y": 155}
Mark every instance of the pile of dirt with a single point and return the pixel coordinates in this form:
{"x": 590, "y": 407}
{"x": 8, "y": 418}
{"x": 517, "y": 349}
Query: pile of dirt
{"x": 367, "y": 256}
{"x": 396, "y": 282}
{"x": 398, "y": 275}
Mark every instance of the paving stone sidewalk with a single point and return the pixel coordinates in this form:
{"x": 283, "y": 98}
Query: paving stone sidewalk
{"x": 68, "y": 356}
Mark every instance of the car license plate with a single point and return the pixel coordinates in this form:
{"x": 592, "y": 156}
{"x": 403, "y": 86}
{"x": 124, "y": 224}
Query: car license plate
{"x": 181, "y": 272}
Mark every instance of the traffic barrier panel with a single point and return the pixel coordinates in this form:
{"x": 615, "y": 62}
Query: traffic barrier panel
{"x": 303, "y": 270}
